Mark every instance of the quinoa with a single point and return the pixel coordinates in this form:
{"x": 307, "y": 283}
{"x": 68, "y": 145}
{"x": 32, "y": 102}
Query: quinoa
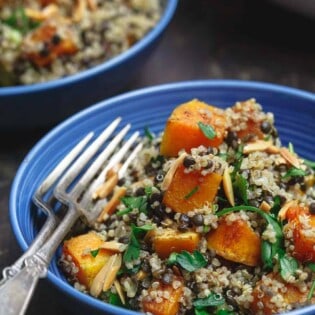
{"x": 268, "y": 273}
{"x": 46, "y": 40}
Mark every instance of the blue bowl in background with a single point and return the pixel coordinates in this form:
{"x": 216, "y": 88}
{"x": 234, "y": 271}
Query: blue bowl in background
{"x": 45, "y": 104}
{"x": 294, "y": 112}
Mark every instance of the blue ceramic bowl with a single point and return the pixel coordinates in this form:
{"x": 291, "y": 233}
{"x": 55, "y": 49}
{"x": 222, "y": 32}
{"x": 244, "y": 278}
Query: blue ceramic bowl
{"x": 44, "y": 104}
{"x": 295, "y": 118}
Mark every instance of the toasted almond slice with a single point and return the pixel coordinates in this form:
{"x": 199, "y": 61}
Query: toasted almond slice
{"x": 106, "y": 271}
{"x": 112, "y": 204}
{"x": 92, "y": 5}
{"x": 280, "y": 160}
{"x": 259, "y": 145}
{"x": 106, "y": 188}
{"x": 265, "y": 206}
{"x": 290, "y": 157}
{"x": 284, "y": 209}
{"x": 79, "y": 10}
{"x": 112, "y": 272}
{"x": 273, "y": 149}
{"x": 46, "y": 13}
{"x": 120, "y": 291}
{"x": 114, "y": 246}
{"x": 227, "y": 186}
{"x": 171, "y": 172}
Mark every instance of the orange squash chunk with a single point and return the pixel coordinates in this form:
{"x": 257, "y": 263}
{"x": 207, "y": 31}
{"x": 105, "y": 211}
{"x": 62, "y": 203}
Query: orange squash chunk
{"x": 169, "y": 241}
{"x": 79, "y": 248}
{"x": 182, "y": 130}
{"x": 303, "y": 238}
{"x": 163, "y": 305}
{"x": 265, "y": 291}
{"x": 42, "y": 49}
{"x": 191, "y": 191}
{"x": 236, "y": 242}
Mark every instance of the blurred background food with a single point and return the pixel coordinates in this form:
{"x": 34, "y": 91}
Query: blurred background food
{"x": 42, "y": 40}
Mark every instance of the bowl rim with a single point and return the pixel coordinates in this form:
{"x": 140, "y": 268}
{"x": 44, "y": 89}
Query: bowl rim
{"x": 150, "y": 37}
{"x": 165, "y": 88}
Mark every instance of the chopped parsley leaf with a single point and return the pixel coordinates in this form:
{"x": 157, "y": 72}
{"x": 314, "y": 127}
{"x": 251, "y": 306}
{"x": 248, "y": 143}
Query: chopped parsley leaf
{"x": 207, "y": 130}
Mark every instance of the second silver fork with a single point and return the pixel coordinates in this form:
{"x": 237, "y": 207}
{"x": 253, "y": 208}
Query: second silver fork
{"x": 36, "y": 265}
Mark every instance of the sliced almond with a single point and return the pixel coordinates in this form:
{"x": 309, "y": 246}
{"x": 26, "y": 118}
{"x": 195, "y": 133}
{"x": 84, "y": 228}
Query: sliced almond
{"x": 280, "y": 160}
{"x": 171, "y": 172}
{"x": 283, "y": 211}
{"x": 92, "y": 5}
{"x": 265, "y": 206}
{"x": 273, "y": 149}
{"x": 120, "y": 291}
{"x": 290, "y": 157}
{"x": 114, "y": 246}
{"x": 106, "y": 275}
{"x": 112, "y": 272}
{"x": 228, "y": 187}
{"x": 112, "y": 203}
{"x": 106, "y": 188}
{"x": 79, "y": 10}
{"x": 259, "y": 145}
{"x": 46, "y": 13}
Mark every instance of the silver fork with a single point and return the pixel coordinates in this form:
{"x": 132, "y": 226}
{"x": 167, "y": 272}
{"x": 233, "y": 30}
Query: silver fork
{"x": 16, "y": 292}
{"x": 52, "y": 220}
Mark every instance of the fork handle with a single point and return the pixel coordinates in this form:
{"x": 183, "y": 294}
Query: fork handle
{"x": 44, "y": 233}
{"x": 17, "y": 291}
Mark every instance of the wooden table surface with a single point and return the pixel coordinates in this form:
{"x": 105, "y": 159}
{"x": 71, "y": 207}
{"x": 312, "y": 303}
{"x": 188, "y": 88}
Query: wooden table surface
{"x": 207, "y": 39}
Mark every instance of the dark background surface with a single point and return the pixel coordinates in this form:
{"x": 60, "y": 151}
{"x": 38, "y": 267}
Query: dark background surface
{"x": 207, "y": 39}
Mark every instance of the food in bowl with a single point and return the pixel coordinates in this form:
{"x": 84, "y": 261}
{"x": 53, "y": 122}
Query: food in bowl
{"x": 216, "y": 217}
{"x": 43, "y": 40}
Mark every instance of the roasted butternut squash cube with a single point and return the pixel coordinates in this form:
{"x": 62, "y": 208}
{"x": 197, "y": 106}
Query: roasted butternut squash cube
{"x": 183, "y": 132}
{"x": 80, "y": 248}
{"x": 267, "y": 288}
{"x": 236, "y": 242}
{"x": 303, "y": 225}
{"x": 168, "y": 303}
{"x": 188, "y": 191}
{"x": 45, "y": 44}
{"x": 169, "y": 241}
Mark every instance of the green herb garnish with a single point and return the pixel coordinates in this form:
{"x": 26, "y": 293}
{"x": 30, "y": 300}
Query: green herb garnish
{"x": 192, "y": 192}
{"x": 213, "y": 299}
{"x": 207, "y": 130}
{"x": 201, "y": 311}
{"x": 276, "y": 206}
{"x": 310, "y": 164}
{"x": 312, "y": 289}
{"x": 133, "y": 249}
{"x": 240, "y": 186}
{"x": 294, "y": 172}
{"x": 114, "y": 299}
{"x": 288, "y": 265}
{"x": 20, "y": 21}
{"x": 148, "y": 134}
{"x": 94, "y": 252}
{"x": 131, "y": 203}
{"x": 189, "y": 262}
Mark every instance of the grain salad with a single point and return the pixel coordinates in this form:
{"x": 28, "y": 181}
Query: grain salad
{"x": 44, "y": 40}
{"x": 216, "y": 216}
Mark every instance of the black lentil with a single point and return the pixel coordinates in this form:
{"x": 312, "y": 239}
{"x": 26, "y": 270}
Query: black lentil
{"x": 312, "y": 208}
{"x": 198, "y": 220}
{"x": 188, "y": 161}
{"x": 266, "y": 127}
